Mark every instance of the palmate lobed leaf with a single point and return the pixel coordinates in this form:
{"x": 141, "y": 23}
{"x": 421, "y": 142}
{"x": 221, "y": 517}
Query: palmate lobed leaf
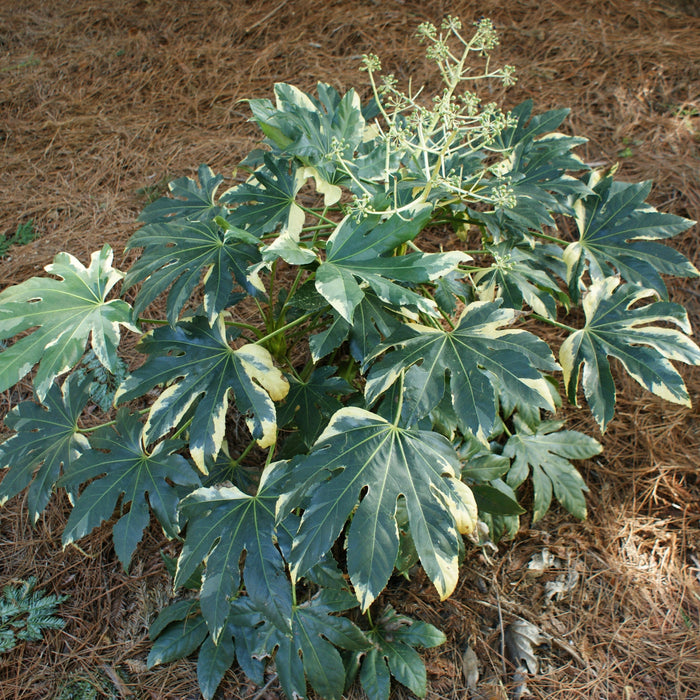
{"x": 189, "y": 200}
{"x": 47, "y": 439}
{"x": 520, "y": 275}
{"x": 308, "y": 650}
{"x": 363, "y": 459}
{"x": 311, "y": 129}
{"x": 267, "y": 201}
{"x": 202, "y": 370}
{"x": 473, "y": 353}
{"x": 176, "y": 254}
{"x": 364, "y": 251}
{"x": 617, "y": 327}
{"x": 545, "y": 453}
{"x": 395, "y": 638}
{"x": 66, "y": 313}
{"x": 180, "y": 629}
{"x": 223, "y": 523}
{"x": 118, "y": 465}
{"x": 618, "y": 230}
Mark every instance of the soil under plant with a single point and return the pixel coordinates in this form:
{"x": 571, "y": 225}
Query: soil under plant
{"x": 102, "y": 103}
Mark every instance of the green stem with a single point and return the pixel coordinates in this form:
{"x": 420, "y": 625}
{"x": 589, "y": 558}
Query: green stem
{"x": 154, "y": 321}
{"x": 544, "y": 319}
{"x": 286, "y": 327}
{"x": 553, "y": 239}
{"x": 109, "y": 422}
{"x": 319, "y": 216}
{"x": 244, "y": 454}
{"x": 182, "y": 429}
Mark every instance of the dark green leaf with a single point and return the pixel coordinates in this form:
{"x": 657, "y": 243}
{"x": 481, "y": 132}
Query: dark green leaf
{"x": 309, "y": 405}
{"x": 526, "y": 128}
{"x": 126, "y": 469}
{"x": 518, "y": 275}
{"x": 473, "y": 353}
{"x": 180, "y": 610}
{"x": 372, "y": 323}
{"x": 68, "y": 311}
{"x": 267, "y": 202}
{"x": 309, "y": 652}
{"x": 189, "y": 201}
{"x": 617, "y": 231}
{"x": 174, "y": 257}
{"x": 500, "y": 525}
{"x": 363, "y": 459}
{"x": 178, "y": 640}
{"x": 223, "y": 523}
{"x": 479, "y": 463}
{"x": 212, "y": 663}
{"x": 492, "y": 500}
{"x": 46, "y": 439}
{"x": 330, "y": 338}
{"x": 394, "y": 638}
{"x": 547, "y": 452}
{"x": 364, "y": 251}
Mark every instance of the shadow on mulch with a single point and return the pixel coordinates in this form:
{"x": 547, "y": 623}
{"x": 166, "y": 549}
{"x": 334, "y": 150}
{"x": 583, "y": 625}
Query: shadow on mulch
{"x": 103, "y": 102}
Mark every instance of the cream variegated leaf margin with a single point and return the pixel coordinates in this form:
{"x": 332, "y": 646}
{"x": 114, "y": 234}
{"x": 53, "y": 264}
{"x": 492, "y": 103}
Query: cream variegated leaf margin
{"x": 362, "y": 464}
{"x": 203, "y": 373}
{"x": 617, "y": 327}
{"x": 66, "y": 313}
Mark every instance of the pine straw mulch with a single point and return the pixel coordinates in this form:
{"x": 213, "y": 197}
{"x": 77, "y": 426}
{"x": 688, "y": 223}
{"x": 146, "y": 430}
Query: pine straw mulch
{"x": 106, "y": 100}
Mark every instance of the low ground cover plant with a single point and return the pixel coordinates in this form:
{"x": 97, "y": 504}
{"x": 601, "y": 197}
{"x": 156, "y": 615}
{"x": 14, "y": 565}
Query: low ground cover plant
{"x": 333, "y": 398}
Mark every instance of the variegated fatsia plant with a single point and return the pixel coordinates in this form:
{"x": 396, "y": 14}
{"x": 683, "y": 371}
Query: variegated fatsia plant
{"x": 388, "y": 401}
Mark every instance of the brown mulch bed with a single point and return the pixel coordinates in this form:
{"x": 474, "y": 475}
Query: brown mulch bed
{"x": 104, "y": 101}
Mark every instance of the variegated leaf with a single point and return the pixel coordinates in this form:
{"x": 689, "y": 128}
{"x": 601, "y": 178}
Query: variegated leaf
{"x": 202, "y": 370}
{"x": 616, "y": 326}
{"x": 67, "y": 313}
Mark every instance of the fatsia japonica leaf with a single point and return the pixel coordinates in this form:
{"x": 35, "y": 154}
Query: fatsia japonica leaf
{"x": 372, "y": 323}
{"x": 312, "y": 129}
{"x": 464, "y": 361}
{"x": 180, "y": 629}
{"x": 311, "y": 403}
{"x": 394, "y": 640}
{"x": 176, "y": 254}
{"x": 189, "y": 200}
{"x": 545, "y": 453}
{"x": 363, "y": 463}
{"x": 47, "y": 438}
{"x": 525, "y": 127}
{"x": 535, "y": 174}
{"x": 266, "y": 202}
{"x": 119, "y": 465}
{"x": 618, "y": 231}
{"x": 223, "y": 523}
{"x": 308, "y": 650}
{"x": 519, "y": 275}
{"x": 616, "y": 326}
{"x": 66, "y": 312}
{"x": 364, "y": 251}
{"x": 202, "y": 371}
